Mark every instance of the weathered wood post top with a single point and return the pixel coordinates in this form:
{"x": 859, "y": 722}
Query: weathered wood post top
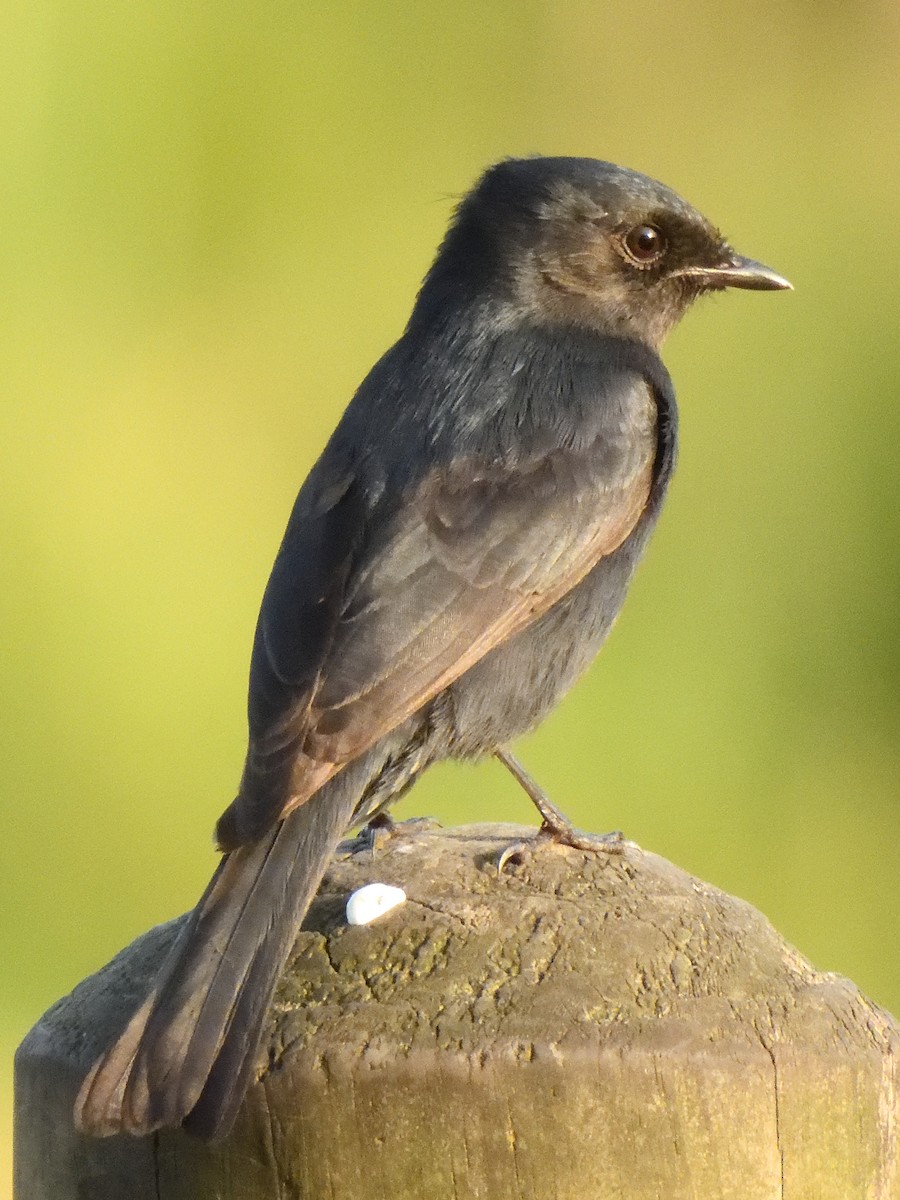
{"x": 582, "y": 1027}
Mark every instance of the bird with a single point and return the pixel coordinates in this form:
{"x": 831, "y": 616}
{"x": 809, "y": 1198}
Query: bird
{"x": 453, "y": 562}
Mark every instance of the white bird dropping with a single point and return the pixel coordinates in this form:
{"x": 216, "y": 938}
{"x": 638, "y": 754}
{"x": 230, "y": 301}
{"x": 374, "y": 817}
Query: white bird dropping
{"x": 371, "y": 901}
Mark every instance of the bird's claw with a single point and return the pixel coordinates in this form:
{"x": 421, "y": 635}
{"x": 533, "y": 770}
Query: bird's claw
{"x": 511, "y": 851}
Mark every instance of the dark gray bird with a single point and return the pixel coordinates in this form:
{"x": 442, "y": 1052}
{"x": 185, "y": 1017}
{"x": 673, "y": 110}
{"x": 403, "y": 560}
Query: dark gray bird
{"x": 453, "y": 562}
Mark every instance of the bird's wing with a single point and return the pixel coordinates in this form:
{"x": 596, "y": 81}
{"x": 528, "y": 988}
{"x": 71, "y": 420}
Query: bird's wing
{"x": 477, "y": 551}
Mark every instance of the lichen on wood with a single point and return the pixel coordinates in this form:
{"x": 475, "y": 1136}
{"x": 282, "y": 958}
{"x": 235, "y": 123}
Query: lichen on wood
{"x": 583, "y": 1025}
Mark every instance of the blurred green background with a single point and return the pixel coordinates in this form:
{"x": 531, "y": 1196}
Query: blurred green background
{"x": 214, "y": 217}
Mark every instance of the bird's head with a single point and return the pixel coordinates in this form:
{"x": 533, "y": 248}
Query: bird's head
{"x": 578, "y": 241}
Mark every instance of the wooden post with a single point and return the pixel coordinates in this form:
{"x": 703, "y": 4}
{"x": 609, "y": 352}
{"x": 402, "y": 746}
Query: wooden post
{"x": 584, "y": 1027}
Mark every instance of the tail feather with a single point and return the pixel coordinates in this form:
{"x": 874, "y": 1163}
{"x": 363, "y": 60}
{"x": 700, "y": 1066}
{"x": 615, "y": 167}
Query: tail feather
{"x": 187, "y": 1054}
{"x": 217, "y": 1106}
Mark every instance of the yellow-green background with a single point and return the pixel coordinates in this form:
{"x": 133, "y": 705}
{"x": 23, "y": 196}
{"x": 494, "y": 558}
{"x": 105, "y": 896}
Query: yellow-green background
{"x": 213, "y": 218}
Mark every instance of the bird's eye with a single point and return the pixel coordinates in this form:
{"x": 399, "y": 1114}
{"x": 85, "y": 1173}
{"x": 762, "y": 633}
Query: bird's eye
{"x": 645, "y": 244}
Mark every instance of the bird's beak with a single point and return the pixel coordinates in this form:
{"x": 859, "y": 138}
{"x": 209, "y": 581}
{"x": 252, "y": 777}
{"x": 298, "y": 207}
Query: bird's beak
{"x": 737, "y": 271}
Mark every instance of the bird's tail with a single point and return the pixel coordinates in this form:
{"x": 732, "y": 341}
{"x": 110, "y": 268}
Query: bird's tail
{"x": 187, "y": 1054}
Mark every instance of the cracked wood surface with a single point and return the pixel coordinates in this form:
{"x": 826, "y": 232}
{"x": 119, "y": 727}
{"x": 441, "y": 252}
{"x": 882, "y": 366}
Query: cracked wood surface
{"x": 585, "y": 1026}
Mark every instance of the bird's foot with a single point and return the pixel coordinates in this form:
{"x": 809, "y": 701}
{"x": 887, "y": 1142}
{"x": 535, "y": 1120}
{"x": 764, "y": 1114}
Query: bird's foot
{"x": 556, "y": 826}
{"x": 565, "y": 834}
{"x": 382, "y": 829}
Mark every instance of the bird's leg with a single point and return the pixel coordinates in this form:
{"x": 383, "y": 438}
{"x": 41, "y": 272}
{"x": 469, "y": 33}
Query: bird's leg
{"x": 378, "y": 830}
{"x": 556, "y": 825}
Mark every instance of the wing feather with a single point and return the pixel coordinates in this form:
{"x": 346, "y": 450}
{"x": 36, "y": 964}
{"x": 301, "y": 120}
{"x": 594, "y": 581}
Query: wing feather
{"x": 469, "y": 557}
